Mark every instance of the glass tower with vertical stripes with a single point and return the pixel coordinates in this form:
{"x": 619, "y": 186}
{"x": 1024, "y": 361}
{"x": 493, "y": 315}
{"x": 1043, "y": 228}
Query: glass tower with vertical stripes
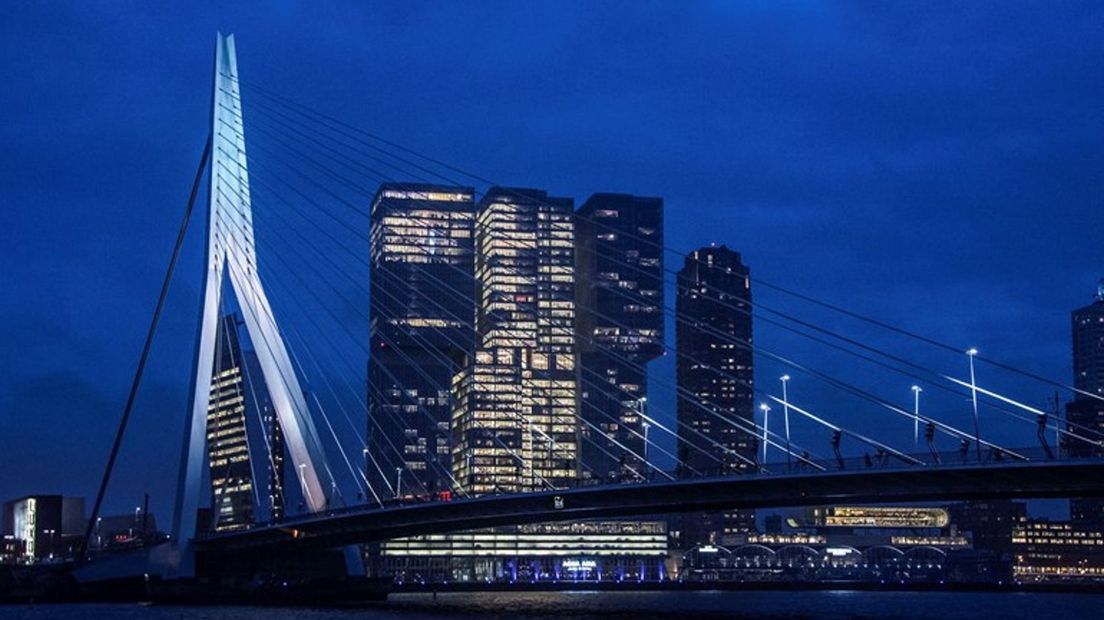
{"x": 515, "y": 400}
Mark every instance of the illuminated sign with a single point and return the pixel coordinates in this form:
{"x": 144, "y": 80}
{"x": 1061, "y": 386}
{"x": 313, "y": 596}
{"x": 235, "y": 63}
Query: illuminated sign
{"x": 574, "y": 565}
{"x": 26, "y": 523}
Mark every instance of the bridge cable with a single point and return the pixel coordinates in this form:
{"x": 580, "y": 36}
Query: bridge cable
{"x": 315, "y": 115}
{"x": 139, "y": 371}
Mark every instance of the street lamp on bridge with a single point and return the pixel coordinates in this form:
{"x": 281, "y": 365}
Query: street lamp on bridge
{"x": 765, "y": 408}
{"x": 786, "y": 418}
{"x": 971, "y": 353}
{"x": 916, "y": 389}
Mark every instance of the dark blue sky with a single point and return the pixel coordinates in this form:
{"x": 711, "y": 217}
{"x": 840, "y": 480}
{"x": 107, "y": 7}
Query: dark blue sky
{"x": 935, "y": 165}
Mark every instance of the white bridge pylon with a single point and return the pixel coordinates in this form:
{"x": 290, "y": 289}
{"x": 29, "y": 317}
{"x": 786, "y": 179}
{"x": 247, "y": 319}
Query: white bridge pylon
{"x": 231, "y": 253}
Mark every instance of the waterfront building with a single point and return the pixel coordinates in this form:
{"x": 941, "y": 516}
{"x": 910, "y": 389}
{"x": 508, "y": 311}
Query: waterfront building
{"x": 547, "y": 552}
{"x": 38, "y": 527}
{"x": 420, "y": 326}
{"x": 12, "y": 550}
{"x": 714, "y": 373}
{"x": 990, "y": 523}
{"x": 123, "y": 530}
{"x": 859, "y": 543}
{"x": 1057, "y": 551}
{"x": 1085, "y": 414}
{"x": 241, "y": 423}
{"x": 881, "y": 517}
{"x": 899, "y": 527}
{"x": 515, "y": 399}
{"x": 619, "y": 289}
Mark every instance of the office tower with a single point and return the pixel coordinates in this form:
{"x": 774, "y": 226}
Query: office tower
{"x": 236, "y": 457}
{"x": 422, "y": 310}
{"x": 715, "y": 405}
{"x": 619, "y": 240}
{"x": 514, "y": 418}
{"x": 1057, "y": 551}
{"x": 1085, "y": 414}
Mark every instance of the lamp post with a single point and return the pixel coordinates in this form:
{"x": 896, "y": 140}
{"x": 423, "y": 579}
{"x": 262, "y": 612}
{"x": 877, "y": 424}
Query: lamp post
{"x": 51, "y": 548}
{"x": 916, "y": 389}
{"x": 303, "y": 480}
{"x": 785, "y": 379}
{"x": 971, "y": 353}
{"x": 765, "y": 408}
{"x": 398, "y": 482}
{"x": 644, "y": 425}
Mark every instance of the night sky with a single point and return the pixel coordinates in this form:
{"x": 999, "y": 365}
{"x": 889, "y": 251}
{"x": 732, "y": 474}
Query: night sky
{"x": 934, "y": 165}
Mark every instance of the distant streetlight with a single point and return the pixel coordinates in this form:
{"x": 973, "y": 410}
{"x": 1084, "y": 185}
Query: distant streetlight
{"x": 303, "y": 480}
{"x": 916, "y": 389}
{"x": 765, "y": 408}
{"x": 785, "y": 379}
{"x": 365, "y": 453}
{"x": 971, "y": 353}
{"x": 644, "y": 424}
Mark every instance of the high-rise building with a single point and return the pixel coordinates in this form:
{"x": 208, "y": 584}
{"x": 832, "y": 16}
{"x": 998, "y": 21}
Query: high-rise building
{"x": 715, "y": 405}
{"x": 421, "y": 316}
{"x": 619, "y": 241}
{"x": 515, "y": 399}
{"x": 1062, "y": 551}
{"x": 1085, "y": 413}
{"x": 240, "y": 467}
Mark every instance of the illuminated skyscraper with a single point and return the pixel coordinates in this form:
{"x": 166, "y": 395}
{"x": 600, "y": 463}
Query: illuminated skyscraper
{"x": 1087, "y": 411}
{"x": 236, "y": 457}
{"x": 513, "y": 422}
{"x": 620, "y": 296}
{"x": 714, "y": 374}
{"x": 422, "y": 310}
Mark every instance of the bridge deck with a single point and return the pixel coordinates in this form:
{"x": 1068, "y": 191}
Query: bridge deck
{"x": 1024, "y": 479}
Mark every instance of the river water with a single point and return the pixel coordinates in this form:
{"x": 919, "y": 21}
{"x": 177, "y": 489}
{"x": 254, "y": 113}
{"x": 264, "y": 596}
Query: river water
{"x": 626, "y": 605}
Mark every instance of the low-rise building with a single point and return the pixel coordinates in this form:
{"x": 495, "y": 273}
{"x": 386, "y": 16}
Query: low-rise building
{"x": 47, "y": 525}
{"x": 585, "y": 551}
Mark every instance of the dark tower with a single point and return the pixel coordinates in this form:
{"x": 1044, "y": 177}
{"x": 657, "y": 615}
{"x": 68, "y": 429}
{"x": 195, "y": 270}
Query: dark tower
{"x": 1084, "y": 410}
{"x": 714, "y": 375}
{"x": 619, "y": 258}
{"x": 421, "y": 318}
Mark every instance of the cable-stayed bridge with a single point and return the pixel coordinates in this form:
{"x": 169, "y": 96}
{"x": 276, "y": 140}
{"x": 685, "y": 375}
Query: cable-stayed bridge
{"x": 499, "y": 438}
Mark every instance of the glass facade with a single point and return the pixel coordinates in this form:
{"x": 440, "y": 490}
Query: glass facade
{"x": 620, "y": 298}
{"x": 877, "y": 517}
{"x": 1057, "y": 551}
{"x": 714, "y": 375}
{"x": 421, "y": 316}
{"x": 588, "y": 551}
{"x": 515, "y": 400}
{"x": 238, "y": 394}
